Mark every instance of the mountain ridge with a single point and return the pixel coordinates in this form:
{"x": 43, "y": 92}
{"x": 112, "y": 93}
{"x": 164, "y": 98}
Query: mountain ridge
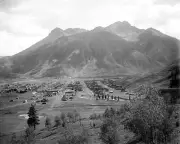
{"x": 117, "y": 48}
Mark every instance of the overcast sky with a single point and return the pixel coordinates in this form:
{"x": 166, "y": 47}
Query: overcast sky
{"x": 24, "y": 22}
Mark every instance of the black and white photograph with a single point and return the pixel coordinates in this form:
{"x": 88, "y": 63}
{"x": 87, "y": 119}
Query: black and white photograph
{"x": 89, "y": 71}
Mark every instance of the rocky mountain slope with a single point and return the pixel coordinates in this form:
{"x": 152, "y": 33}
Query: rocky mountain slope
{"x": 116, "y": 49}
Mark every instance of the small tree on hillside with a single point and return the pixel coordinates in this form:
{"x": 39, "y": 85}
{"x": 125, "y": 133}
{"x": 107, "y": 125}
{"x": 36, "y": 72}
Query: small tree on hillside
{"x": 33, "y": 119}
{"x": 63, "y": 119}
{"x": 48, "y": 122}
{"x": 109, "y": 113}
{"x": 57, "y": 121}
{"x": 29, "y": 136}
{"x": 78, "y": 117}
{"x": 70, "y": 116}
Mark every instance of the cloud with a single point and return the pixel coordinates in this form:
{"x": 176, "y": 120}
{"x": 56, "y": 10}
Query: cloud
{"x": 30, "y": 20}
{"x": 167, "y": 2}
{"x": 12, "y": 43}
{"x": 5, "y": 5}
{"x": 21, "y": 25}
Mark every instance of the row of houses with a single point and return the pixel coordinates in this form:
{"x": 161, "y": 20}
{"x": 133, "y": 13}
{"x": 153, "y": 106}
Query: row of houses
{"x": 114, "y": 85}
{"x": 110, "y": 97}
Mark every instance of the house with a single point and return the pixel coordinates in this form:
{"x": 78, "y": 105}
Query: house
{"x": 69, "y": 93}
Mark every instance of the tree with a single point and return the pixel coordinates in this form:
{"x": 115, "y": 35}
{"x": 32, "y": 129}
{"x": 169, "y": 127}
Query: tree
{"x": 109, "y": 113}
{"x": 33, "y": 119}
{"x": 109, "y": 131}
{"x": 29, "y": 136}
{"x": 93, "y": 116}
{"x": 57, "y": 121}
{"x": 70, "y": 116}
{"x": 48, "y": 122}
{"x": 106, "y": 114}
{"x": 63, "y": 119}
{"x": 174, "y": 81}
{"x": 77, "y": 117}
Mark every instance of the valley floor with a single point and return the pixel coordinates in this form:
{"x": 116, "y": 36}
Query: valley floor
{"x": 12, "y": 119}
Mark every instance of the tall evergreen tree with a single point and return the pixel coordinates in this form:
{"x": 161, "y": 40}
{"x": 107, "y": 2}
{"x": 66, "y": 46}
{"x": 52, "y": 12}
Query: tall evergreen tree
{"x": 33, "y": 119}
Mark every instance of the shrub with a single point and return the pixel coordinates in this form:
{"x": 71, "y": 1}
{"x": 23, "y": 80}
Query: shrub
{"x": 123, "y": 110}
{"x": 72, "y": 138}
{"x": 106, "y": 113}
{"x": 109, "y": 113}
{"x": 93, "y": 116}
{"x": 109, "y": 132}
{"x": 48, "y": 122}
{"x": 63, "y": 119}
{"x": 77, "y": 116}
{"x": 177, "y": 124}
{"x": 29, "y": 135}
{"x": 57, "y": 121}
{"x": 70, "y": 116}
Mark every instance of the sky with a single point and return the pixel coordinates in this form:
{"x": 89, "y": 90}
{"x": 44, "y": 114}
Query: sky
{"x": 25, "y": 22}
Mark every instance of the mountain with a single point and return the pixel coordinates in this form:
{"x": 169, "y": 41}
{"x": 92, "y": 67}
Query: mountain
{"x": 116, "y": 49}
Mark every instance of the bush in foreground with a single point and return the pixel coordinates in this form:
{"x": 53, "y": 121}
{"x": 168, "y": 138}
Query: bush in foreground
{"x": 48, "y": 122}
{"x": 57, "y": 121}
{"x": 109, "y": 131}
{"x": 28, "y": 137}
{"x": 70, "y": 137}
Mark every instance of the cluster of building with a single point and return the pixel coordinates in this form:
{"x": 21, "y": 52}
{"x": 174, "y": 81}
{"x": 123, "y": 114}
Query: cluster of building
{"x": 104, "y": 93}
{"x": 114, "y": 85}
{"x": 71, "y": 90}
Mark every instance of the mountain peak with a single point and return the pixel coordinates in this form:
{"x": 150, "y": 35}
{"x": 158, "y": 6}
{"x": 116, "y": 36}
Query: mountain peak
{"x": 97, "y": 29}
{"x": 120, "y": 24}
{"x": 154, "y": 32}
{"x": 56, "y": 32}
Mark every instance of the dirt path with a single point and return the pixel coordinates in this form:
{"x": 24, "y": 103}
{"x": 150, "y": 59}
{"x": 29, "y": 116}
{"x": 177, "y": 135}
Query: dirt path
{"x": 57, "y": 99}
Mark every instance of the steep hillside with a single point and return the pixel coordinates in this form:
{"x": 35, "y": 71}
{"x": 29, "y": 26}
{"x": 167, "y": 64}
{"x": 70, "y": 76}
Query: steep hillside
{"x": 160, "y": 78}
